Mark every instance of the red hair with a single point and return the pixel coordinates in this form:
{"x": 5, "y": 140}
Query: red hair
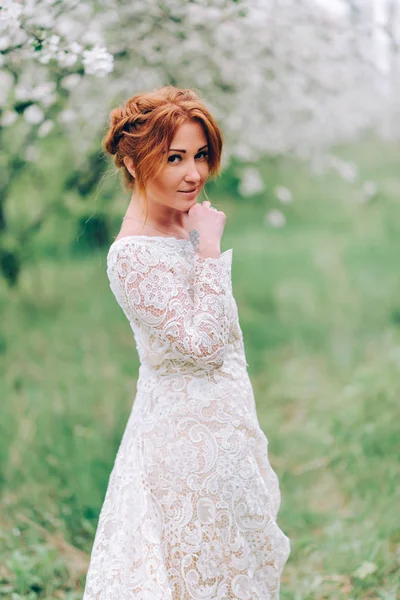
{"x": 144, "y": 127}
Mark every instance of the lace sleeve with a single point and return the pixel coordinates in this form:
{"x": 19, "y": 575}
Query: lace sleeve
{"x": 194, "y": 323}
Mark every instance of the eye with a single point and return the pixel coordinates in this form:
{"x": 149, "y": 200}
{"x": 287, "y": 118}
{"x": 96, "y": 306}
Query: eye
{"x": 172, "y": 161}
{"x": 174, "y": 156}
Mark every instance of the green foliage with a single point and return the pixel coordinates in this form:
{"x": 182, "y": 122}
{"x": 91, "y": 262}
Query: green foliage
{"x": 318, "y": 304}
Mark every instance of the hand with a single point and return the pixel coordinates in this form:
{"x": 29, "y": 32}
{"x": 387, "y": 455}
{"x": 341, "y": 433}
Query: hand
{"x": 205, "y": 227}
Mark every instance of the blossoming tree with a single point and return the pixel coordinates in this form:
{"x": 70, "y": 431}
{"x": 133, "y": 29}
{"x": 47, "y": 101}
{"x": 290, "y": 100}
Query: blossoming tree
{"x": 281, "y": 76}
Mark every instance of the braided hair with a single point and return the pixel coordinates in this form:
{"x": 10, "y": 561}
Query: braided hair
{"x": 144, "y": 127}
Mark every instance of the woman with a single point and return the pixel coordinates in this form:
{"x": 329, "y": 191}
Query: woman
{"x": 191, "y": 505}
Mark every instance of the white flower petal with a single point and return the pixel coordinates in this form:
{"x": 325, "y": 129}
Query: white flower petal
{"x": 33, "y": 114}
{"x": 275, "y": 218}
{"x": 8, "y": 118}
{"x": 283, "y": 194}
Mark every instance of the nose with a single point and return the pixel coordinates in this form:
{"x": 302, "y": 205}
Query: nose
{"x": 193, "y": 174}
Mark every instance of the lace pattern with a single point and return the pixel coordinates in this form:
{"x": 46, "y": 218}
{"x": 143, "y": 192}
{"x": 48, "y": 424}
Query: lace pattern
{"x": 191, "y": 504}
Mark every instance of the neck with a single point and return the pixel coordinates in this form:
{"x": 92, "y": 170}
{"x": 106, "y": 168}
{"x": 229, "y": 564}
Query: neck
{"x": 159, "y": 216}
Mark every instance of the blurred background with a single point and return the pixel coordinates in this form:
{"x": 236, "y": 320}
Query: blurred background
{"x": 307, "y": 94}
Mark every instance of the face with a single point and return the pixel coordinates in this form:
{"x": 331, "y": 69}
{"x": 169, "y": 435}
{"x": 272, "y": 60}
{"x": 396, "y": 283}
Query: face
{"x": 186, "y": 168}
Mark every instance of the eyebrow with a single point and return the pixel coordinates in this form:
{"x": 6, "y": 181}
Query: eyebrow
{"x": 184, "y": 151}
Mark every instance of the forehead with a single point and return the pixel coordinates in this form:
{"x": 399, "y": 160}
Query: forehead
{"x": 189, "y": 134}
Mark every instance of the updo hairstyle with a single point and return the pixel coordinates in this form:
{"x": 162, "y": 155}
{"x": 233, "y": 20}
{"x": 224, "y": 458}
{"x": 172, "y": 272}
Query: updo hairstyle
{"x": 144, "y": 128}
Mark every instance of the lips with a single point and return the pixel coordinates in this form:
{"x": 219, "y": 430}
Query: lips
{"x": 187, "y": 191}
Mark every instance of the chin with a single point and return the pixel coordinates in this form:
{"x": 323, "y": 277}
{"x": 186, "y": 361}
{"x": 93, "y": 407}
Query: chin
{"x": 192, "y": 201}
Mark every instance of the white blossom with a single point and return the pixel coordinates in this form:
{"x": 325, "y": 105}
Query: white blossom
{"x": 98, "y": 61}
{"x": 283, "y": 77}
{"x": 70, "y": 81}
{"x": 48, "y": 100}
{"x": 251, "y": 182}
{"x": 50, "y": 49}
{"x": 33, "y": 114}
{"x": 10, "y": 12}
{"x": 66, "y": 59}
{"x": 54, "y": 40}
{"x": 41, "y": 91}
{"x": 45, "y": 128}
{"x": 369, "y": 189}
{"x": 5, "y": 41}
{"x": 283, "y": 194}
{"x": 276, "y": 218}
{"x": 6, "y": 84}
{"x": 92, "y": 38}
{"x": 75, "y": 47}
{"x": 347, "y": 170}
{"x": 67, "y": 116}
{"x": 21, "y": 92}
{"x": 8, "y": 118}
{"x": 243, "y": 152}
{"x": 66, "y": 25}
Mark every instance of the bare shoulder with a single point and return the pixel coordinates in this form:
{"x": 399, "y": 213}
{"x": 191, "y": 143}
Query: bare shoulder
{"x": 131, "y": 230}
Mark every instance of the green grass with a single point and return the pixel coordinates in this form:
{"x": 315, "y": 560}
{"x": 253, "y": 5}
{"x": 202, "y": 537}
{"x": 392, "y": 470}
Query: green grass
{"x": 319, "y": 305}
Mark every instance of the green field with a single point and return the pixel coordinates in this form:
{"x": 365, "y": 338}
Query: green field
{"x": 319, "y": 306}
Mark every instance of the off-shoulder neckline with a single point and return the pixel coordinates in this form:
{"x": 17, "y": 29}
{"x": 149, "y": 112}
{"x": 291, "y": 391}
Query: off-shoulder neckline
{"x": 149, "y": 237}
{"x": 156, "y": 237}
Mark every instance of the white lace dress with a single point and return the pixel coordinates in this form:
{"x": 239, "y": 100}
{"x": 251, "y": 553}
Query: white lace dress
{"x": 191, "y": 505}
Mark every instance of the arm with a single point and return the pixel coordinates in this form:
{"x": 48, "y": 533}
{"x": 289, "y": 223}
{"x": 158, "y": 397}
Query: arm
{"x": 154, "y": 296}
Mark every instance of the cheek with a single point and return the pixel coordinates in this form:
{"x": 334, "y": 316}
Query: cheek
{"x": 173, "y": 180}
{"x": 204, "y": 171}
{"x": 165, "y": 182}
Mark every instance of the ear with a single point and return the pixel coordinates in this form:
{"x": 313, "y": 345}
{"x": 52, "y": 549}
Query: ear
{"x": 128, "y": 162}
